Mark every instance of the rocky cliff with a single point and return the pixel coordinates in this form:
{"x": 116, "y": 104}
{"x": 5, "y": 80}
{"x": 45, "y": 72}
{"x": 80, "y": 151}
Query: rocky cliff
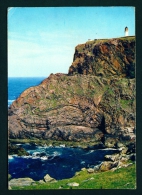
{"x": 94, "y": 103}
{"x": 114, "y": 57}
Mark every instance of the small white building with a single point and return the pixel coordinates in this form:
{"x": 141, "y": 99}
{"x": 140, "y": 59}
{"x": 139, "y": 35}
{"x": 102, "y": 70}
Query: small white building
{"x": 126, "y": 31}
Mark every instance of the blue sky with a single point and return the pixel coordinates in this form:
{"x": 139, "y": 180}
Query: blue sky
{"x": 42, "y": 41}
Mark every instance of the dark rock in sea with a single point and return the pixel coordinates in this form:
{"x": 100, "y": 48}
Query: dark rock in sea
{"x": 113, "y": 158}
{"x": 133, "y": 157}
{"x": 14, "y": 149}
{"x": 94, "y": 103}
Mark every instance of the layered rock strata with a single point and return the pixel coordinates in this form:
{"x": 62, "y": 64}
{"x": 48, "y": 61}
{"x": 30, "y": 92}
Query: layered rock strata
{"x": 93, "y": 103}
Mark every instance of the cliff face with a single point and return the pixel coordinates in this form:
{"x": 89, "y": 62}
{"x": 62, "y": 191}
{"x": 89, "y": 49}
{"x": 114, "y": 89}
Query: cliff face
{"x": 115, "y": 57}
{"x": 95, "y": 105}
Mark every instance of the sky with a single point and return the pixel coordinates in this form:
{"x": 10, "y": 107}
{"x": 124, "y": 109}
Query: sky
{"x": 42, "y": 40}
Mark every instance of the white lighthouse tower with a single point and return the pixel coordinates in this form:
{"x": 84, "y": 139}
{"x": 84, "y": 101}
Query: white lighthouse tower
{"x": 126, "y": 31}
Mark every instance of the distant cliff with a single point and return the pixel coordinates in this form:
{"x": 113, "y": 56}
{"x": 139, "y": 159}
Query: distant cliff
{"x": 93, "y": 104}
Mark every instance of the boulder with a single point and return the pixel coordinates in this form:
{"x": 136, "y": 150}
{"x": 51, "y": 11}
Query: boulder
{"x": 132, "y": 157}
{"x": 107, "y": 165}
{"x": 124, "y": 150}
{"x": 113, "y": 157}
{"x": 9, "y": 187}
{"x": 110, "y": 142}
{"x": 121, "y": 164}
{"x": 21, "y": 182}
{"x": 90, "y": 170}
{"x": 41, "y": 182}
{"x": 47, "y": 178}
{"x": 97, "y": 167}
{"x": 73, "y": 184}
{"x": 83, "y": 169}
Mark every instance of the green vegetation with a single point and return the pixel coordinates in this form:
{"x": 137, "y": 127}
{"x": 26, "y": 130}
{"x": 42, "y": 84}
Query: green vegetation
{"x": 110, "y": 91}
{"x": 80, "y": 47}
{"x": 123, "y": 178}
{"x": 125, "y": 103}
{"x": 129, "y": 38}
{"x": 41, "y": 142}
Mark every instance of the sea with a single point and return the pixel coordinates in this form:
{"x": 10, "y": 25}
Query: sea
{"x": 16, "y": 85}
{"x": 59, "y": 162}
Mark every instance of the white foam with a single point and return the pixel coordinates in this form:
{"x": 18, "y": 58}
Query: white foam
{"x": 35, "y": 154}
{"x": 88, "y": 152}
{"x": 56, "y": 153}
{"x": 44, "y": 158}
{"x": 108, "y": 149}
{"x": 62, "y": 146}
{"x": 27, "y": 156}
{"x": 10, "y": 157}
{"x": 10, "y": 101}
{"x": 82, "y": 162}
{"x": 35, "y": 157}
{"x": 14, "y": 155}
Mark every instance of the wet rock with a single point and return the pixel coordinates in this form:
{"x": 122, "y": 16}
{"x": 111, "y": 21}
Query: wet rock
{"x": 131, "y": 148}
{"x": 124, "y": 150}
{"x": 119, "y": 145}
{"x": 14, "y": 149}
{"x": 97, "y": 167}
{"x": 132, "y": 157}
{"x": 113, "y": 157}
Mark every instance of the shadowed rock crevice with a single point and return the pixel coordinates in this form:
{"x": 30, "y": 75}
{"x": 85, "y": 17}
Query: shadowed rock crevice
{"x": 102, "y": 125}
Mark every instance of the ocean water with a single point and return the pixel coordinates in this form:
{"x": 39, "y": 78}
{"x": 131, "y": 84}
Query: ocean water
{"x": 16, "y": 85}
{"x": 59, "y": 162}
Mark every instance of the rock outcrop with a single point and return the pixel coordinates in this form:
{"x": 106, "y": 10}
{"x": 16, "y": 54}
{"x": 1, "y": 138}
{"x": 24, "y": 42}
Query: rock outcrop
{"x": 47, "y": 178}
{"x": 93, "y": 103}
{"x": 14, "y": 149}
{"x": 21, "y": 182}
{"x": 105, "y": 58}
